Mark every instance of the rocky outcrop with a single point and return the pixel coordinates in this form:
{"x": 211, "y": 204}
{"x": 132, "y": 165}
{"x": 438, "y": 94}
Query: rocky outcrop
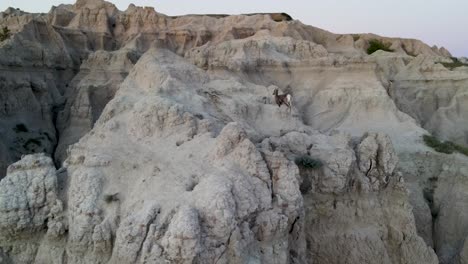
{"x": 89, "y": 91}
{"x": 342, "y": 194}
{"x": 434, "y": 96}
{"x": 170, "y": 148}
{"x": 205, "y": 224}
{"x": 30, "y": 210}
{"x": 29, "y": 199}
{"x": 233, "y": 200}
{"x": 27, "y": 114}
{"x": 58, "y": 43}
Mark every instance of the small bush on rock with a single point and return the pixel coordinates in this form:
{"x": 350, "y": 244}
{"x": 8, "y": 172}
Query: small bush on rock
{"x": 463, "y": 150}
{"x": 437, "y": 145}
{"x": 454, "y": 64}
{"x": 375, "y": 45}
{"x": 4, "y": 34}
{"x": 308, "y": 162}
{"x": 446, "y": 147}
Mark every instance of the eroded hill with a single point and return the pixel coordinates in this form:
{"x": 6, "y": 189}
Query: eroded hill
{"x": 161, "y": 142}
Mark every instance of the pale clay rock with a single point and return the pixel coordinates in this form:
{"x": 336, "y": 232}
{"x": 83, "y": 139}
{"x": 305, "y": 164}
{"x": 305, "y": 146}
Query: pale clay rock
{"x": 29, "y": 198}
{"x": 172, "y": 151}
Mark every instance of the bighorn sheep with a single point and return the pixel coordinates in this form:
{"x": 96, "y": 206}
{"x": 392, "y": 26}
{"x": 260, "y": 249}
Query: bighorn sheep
{"x": 285, "y": 99}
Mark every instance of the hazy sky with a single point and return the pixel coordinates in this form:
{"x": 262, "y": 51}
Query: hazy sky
{"x": 436, "y": 22}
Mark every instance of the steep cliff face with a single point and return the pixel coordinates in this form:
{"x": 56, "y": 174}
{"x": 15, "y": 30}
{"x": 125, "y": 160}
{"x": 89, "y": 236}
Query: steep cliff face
{"x": 163, "y": 144}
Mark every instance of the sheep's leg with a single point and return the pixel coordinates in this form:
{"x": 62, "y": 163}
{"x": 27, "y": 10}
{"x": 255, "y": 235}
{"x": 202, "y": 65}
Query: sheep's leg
{"x": 287, "y": 104}
{"x": 289, "y": 98}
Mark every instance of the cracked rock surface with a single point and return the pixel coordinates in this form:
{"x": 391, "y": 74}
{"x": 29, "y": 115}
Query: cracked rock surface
{"x": 135, "y": 137}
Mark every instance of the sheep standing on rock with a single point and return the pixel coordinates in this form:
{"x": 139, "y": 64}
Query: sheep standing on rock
{"x": 285, "y": 99}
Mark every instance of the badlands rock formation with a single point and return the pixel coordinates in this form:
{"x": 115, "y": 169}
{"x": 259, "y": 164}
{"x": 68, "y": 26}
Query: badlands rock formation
{"x": 135, "y": 137}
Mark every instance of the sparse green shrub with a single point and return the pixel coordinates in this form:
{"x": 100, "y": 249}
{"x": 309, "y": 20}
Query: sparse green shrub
{"x": 463, "y": 150}
{"x": 454, "y": 64}
{"x": 375, "y": 45}
{"x": 20, "y": 128}
{"x": 446, "y": 147}
{"x": 308, "y": 162}
{"x": 4, "y": 34}
{"x": 437, "y": 145}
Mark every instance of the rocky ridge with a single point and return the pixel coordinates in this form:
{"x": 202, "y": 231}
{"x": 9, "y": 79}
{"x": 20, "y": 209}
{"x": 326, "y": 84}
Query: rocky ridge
{"x": 162, "y": 143}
